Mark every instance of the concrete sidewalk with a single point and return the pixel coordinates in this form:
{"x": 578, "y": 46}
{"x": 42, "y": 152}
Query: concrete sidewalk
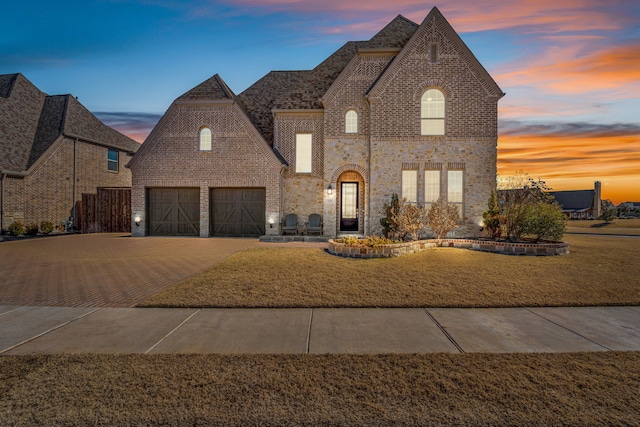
{"x": 33, "y": 330}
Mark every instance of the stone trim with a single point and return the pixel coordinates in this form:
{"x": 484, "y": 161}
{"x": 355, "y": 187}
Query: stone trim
{"x": 399, "y": 249}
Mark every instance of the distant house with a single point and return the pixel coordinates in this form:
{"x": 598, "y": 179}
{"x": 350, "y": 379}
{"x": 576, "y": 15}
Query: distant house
{"x": 580, "y": 204}
{"x": 52, "y": 149}
{"x": 410, "y": 111}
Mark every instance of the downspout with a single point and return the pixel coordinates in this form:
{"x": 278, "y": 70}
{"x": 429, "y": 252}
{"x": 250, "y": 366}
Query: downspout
{"x": 73, "y": 197}
{"x": 368, "y": 204}
{"x": 2, "y": 175}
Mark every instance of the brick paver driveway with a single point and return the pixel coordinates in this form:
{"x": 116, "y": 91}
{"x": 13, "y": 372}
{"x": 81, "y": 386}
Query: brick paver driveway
{"x": 102, "y": 270}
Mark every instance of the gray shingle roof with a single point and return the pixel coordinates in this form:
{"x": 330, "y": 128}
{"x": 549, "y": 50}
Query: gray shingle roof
{"x": 299, "y": 89}
{"x": 30, "y": 121}
{"x": 574, "y": 200}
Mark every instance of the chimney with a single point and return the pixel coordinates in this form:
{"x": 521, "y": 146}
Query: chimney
{"x": 597, "y": 199}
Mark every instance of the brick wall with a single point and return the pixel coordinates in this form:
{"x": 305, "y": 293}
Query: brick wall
{"x": 171, "y": 158}
{"x": 47, "y": 194}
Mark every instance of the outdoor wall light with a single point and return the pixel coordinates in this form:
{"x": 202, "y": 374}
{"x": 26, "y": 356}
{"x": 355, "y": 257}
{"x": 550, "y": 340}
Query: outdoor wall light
{"x": 330, "y": 190}
{"x": 271, "y": 221}
{"x": 137, "y": 220}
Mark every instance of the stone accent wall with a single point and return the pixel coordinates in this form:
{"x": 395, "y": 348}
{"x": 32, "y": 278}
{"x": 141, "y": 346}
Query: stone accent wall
{"x": 302, "y": 193}
{"x": 47, "y": 194}
{"x": 470, "y": 138}
{"x": 171, "y": 158}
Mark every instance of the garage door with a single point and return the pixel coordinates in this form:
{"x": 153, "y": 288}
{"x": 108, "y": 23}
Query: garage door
{"x": 237, "y": 212}
{"x": 174, "y": 211}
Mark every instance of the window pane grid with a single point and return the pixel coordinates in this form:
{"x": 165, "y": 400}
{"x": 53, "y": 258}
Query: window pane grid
{"x": 432, "y": 113}
{"x": 455, "y": 190}
{"x": 351, "y": 122}
{"x": 410, "y": 186}
{"x": 431, "y": 186}
{"x": 205, "y": 139}
{"x": 112, "y": 160}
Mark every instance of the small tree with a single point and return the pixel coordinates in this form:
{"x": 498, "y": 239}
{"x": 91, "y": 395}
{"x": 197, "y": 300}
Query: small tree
{"x": 390, "y": 221}
{"x": 411, "y": 221}
{"x": 517, "y": 194}
{"x": 492, "y": 217}
{"x": 609, "y": 211}
{"x": 545, "y": 221}
{"x": 442, "y": 218}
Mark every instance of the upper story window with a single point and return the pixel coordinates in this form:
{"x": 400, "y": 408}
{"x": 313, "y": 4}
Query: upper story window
{"x": 205, "y": 139}
{"x": 432, "y": 113}
{"x": 304, "y": 153}
{"x": 410, "y": 186}
{"x": 351, "y": 122}
{"x": 112, "y": 160}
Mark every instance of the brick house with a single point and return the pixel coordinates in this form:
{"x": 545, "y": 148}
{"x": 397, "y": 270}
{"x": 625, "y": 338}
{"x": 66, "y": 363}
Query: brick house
{"x": 52, "y": 149}
{"x": 410, "y": 111}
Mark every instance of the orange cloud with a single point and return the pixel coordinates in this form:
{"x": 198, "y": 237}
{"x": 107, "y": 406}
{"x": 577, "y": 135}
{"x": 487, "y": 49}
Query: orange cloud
{"x": 564, "y": 71}
{"x": 572, "y": 159}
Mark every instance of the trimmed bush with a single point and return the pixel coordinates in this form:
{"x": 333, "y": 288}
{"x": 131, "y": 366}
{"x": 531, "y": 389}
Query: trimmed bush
{"x": 46, "y": 227}
{"x": 16, "y": 228}
{"x": 31, "y": 229}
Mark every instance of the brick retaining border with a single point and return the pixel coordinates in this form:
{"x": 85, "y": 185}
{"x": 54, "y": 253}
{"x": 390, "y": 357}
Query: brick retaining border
{"x": 399, "y": 249}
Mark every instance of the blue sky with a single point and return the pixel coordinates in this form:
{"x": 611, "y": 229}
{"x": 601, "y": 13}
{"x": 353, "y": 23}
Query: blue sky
{"x": 569, "y": 68}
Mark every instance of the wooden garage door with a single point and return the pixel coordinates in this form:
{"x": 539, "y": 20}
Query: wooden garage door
{"x": 174, "y": 211}
{"x": 237, "y": 212}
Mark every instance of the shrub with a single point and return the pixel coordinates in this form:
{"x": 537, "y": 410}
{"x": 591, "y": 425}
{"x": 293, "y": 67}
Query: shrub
{"x": 16, "y": 228}
{"x": 349, "y": 240}
{"x": 545, "y": 221}
{"x": 609, "y": 211}
{"x": 389, "y": 223}
{"x": 46, "y": 227}
{"x": 376, "y": 241}
{"x": 492, "y": 218}
{"x": 31, "y": 229}
{"x": 442, "y": 218}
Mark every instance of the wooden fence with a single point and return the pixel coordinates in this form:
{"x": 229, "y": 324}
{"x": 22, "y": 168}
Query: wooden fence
{"x": 109, "y": 211}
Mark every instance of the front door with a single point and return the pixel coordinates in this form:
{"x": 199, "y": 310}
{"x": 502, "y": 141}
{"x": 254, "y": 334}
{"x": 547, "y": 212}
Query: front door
{"x": 349, "y": 206}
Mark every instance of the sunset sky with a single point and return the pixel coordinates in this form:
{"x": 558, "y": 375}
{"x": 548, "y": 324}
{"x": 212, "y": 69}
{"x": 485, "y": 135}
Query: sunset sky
{"x": 570, "y": 68}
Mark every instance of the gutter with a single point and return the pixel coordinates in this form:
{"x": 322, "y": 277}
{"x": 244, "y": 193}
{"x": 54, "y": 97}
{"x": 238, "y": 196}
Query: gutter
{"x": 2, "y": 175}
{"x": 93, "y": 141}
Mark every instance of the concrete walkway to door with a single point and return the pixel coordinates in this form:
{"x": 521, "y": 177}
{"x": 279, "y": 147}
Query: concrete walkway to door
{"x": 103, "y": 270}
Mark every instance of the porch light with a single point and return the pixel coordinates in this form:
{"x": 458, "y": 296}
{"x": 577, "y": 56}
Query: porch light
{"x": 271, "y": 222}
{"x": 330, "y": 190}
{"x": 137, "y": 220}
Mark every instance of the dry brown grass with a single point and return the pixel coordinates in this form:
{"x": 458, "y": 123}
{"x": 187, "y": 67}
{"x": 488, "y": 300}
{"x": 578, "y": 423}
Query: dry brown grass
{"x": 619, "y": 226}
{"x": 599, "y": 271}
{"x": 435, "y": 389}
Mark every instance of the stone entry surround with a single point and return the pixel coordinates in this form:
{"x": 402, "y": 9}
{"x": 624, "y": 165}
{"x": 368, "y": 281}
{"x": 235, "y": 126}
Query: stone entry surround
{"x": 399, "y": 249}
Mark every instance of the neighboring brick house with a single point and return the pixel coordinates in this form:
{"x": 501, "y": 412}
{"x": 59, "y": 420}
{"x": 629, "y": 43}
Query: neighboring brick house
{"x": 52, "y": 150}
{"x": 410, "y": 111}
{"x": 580, "y": 204}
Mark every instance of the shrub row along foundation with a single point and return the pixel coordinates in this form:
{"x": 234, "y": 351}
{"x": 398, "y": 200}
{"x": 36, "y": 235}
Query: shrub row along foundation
{"x": 399, "y": 249}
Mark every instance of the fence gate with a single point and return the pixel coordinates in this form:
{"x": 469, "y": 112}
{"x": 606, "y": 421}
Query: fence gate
{"x": 109, "y": 211}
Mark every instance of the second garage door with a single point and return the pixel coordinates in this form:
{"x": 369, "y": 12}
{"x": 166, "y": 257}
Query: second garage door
{"x": 237, "y": 212}
{"x": 174, "y": 211}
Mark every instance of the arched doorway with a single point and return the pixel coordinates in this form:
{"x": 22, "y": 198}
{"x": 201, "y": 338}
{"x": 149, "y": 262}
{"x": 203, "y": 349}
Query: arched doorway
{"x": 350, "y": 206}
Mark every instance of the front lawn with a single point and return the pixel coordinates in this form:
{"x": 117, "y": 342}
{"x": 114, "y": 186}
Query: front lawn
{"x": 431, "y": 389}
{"x": 599, "y": 271}
{"x": 619, "y": 226}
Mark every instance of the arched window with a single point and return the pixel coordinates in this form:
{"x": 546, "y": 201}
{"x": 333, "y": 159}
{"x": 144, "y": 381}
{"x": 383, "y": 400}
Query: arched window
{"x": 205, "y": 139}
{"x": 351, "y": 122}
{"x": 432, "y": 113}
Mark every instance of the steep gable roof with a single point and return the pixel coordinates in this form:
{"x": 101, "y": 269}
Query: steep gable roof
{"x": 304, "y": 89}
{"x": 6, "y": 84}
{"x": 212, "y": 89}
{"x": 41, "y": 119}
{"x": 436, "y": 18}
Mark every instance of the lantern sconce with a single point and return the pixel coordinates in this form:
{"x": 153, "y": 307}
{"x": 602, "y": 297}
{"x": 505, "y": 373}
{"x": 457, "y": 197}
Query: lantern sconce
{"x": 137, "y": 220}
{"x": 330, "y": 190}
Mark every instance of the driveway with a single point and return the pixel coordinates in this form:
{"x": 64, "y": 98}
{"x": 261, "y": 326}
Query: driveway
{"x": 103, "y": 270}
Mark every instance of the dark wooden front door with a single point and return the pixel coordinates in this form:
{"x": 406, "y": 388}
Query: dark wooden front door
{"x": 174, "y": 211}
{"x": 237, "y": 212}
{"x": 349, "y": 206}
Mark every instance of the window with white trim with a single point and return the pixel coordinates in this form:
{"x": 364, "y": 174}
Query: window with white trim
{"x": 432, "y": 113}
{"x": 431, "y": 187}
{"x": 410, "y": 186}
{"x": 304, "y": 152}
{"x": 205, "y": 139}
{"x": 455, "y": 189}
{"x": 112, "y": 160}
{"x": 351, "y": 122}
